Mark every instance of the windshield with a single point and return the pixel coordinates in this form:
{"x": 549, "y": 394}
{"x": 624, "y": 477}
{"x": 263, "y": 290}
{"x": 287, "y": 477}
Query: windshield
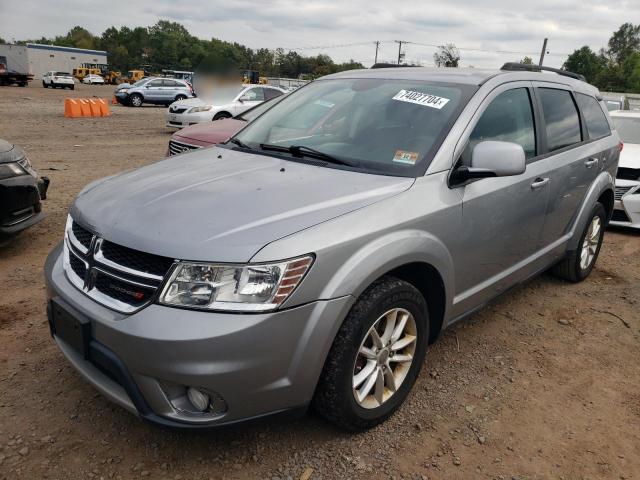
{"x": 61, "y": 74}
{"x": 383, "y": 126}
{"x": 253, "y": 113}
{"x": 628, "y": 128}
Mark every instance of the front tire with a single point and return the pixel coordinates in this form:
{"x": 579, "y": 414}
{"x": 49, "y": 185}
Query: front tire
{"x": 135, "y": 100}
{"x": 376, "y": 356}
{"x": 221, "y": 115}
{"x": 180, "y": 98}
{"x": 578, "y": 264}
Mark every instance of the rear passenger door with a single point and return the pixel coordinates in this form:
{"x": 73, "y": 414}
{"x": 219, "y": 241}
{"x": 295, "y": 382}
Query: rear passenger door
{"x": 574, "y": 161}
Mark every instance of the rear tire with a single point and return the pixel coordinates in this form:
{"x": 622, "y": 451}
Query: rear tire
{"x": 180, "y": 98}
{"x": 44, "y": 85}
{"x": 343, "y": 399}
{"x": 578, "y": 264}
{"x": 221, "y": 115}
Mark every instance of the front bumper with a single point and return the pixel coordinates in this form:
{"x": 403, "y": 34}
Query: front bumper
{"x": 626, "y": 208}
{"x": 260, "y": 364}
{"x": 181, "y": 120}
{"x": 122, "y": 98}
{"x": 20, "y": 205}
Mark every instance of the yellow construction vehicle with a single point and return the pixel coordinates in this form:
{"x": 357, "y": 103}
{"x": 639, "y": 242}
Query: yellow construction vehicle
{"x": 133, "y": 76}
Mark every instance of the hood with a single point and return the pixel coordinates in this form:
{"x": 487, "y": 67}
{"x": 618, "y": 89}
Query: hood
{"x": 217, "y": 204}
{"x": 189, "y": 102}
{"x": 211, "y": 132}
{"x": 10, "y": 152}
{"x": 630, "y": 156}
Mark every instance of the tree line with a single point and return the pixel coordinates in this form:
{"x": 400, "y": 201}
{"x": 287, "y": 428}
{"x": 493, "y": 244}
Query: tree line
{"x": 615, "y": 68}
{"x": 169, "y": 45}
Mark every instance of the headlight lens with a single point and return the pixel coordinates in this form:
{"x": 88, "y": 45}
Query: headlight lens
{"x": 123, "y": 90}
{"x": 8, "y": 170}
{"x": 257, "y": 287}
{"x": 203, "y": 108}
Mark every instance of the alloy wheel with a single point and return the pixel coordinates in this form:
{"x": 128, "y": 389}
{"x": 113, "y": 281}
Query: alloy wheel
{"x": 384, "y": 358}
{"x": 590, "y": 243}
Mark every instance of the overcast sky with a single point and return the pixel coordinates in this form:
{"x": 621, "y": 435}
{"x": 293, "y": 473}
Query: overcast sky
{"x": 495, "y": 25}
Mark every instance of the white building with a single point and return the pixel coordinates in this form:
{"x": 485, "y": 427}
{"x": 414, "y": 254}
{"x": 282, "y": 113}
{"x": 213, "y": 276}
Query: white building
{"x": 43, "y": 58}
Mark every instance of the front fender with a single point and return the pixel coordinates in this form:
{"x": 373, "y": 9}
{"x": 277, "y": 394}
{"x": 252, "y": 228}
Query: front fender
{"x": 383, "y": 254}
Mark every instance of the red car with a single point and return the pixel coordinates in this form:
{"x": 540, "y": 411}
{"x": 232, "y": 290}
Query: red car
{"x": 207, "y": 134}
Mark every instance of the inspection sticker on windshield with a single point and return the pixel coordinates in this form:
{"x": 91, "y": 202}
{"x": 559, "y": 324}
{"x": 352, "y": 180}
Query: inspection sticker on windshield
{"x": 410, "y": 158}
{"x": 420, "y": 98}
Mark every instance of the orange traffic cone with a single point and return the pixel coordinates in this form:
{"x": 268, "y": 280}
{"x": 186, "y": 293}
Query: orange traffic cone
{"x": 104, "y": 107}
{"x": 72, "y": 108}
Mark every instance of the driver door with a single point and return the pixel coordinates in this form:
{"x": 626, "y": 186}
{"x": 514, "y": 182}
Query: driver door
{"x": 502, "y": 216}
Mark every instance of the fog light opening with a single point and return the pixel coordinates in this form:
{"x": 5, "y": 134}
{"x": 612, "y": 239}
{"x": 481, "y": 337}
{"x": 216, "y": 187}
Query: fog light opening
{"x": 200, "y": 400}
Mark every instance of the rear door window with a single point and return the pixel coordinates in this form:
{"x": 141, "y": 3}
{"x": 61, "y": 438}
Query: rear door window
{"x": 270, "y": 93}
{"x": 561, "y": 118}
{"x": 597, "y": 125}
{"x": 508, "y": 118}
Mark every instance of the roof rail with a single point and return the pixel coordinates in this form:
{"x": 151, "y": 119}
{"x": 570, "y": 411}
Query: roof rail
{"x": 515, "y": 66}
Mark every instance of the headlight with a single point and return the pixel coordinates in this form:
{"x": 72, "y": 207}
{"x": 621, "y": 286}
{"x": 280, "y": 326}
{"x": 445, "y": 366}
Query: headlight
{"x": 8, "y": 170}
{"x": 203, "y": 108}
{"x": 249, "y": 288}
{"x": 123, "y": 90}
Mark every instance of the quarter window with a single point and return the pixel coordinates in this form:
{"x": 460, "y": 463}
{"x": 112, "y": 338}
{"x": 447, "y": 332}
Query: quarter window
{"x": 508, "y": 118}
{"x": 597, "y": 125}
{"x": 270, "y": 93}
{"x": 561, "y": 118}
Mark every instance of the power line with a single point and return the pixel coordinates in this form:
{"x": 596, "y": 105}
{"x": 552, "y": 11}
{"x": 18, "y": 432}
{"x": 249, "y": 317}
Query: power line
{"x": 431, "y": 45}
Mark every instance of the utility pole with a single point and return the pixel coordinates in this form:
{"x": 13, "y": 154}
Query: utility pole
{"x": 399, "y": 42}
{"x": 377, "y": 45}
{"x": 544, "y": 50}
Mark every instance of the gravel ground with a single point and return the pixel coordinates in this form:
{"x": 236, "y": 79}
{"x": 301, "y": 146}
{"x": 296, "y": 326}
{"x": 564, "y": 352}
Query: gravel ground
{"x": 543, "y": 383}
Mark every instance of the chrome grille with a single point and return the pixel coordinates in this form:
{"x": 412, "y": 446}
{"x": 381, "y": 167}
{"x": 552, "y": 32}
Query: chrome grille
{"x": 621, "y": 192}
{"x": 118, "y": 277}
{"x": 176, "y": 148}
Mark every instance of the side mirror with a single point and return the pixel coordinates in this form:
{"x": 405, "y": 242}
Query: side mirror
{"x": 502, "y": 158}
{"x": 493, "y": 159}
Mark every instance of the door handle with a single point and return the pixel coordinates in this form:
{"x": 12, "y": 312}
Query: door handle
{"x": 539, "y": 183}
{"x": 592, "y": 162}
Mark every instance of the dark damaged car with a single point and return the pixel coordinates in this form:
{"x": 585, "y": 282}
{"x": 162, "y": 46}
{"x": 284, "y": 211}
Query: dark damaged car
{"x": 21, "y": 191}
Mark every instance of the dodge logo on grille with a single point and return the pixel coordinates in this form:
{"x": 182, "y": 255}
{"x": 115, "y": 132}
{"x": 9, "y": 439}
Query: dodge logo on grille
{"x": 131, "y": 293}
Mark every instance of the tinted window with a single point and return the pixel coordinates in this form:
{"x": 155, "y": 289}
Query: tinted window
{"x": 613, "y": 105}
{"x": 561, "y": 118}
{"x": 155, "y": 83}
{"x": 597, "y": 125}
{"x": 509, "y": 118}
{"x": 170, "y": 83}
{"x": 270, "y": 93}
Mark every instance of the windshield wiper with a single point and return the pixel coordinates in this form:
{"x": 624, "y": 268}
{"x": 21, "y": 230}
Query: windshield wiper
{"x": 239, "y": 143}
{"x": 304, "y": 151}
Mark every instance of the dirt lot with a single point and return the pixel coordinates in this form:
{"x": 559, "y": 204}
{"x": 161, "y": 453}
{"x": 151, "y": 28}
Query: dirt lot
{"x": 544, "y": 383}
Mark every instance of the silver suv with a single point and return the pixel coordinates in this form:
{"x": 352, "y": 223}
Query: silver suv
{"x": 312, "y": 258}
{"x": 155, "y": 90}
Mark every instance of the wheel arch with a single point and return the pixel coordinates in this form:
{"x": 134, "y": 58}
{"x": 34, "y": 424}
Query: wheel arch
{"x": 601, "y": 190}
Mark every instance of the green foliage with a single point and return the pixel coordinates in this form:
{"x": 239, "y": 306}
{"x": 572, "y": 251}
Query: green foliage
{"x": 587, "y": 62}
{"x": 169, "y": 45}
{"x": 527, "y": 61}
{"x": 447, "y": 56}
{"x": 616, "y": 68}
